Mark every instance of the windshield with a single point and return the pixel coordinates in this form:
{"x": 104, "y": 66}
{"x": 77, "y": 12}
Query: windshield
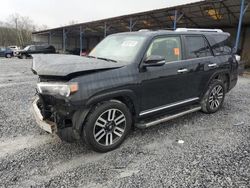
{"x": 118, "y": 48}
{"x": 27, "y": 48}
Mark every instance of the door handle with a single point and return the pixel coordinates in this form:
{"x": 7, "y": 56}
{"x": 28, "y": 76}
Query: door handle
{"x": 182, "y": 70}
{"x": 212, "y": 65}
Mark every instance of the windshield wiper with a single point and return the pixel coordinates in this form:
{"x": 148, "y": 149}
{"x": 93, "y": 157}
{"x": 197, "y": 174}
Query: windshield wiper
{"x": 102, "y": 58}
{"x": 89, "y": 56}
{"x": 106, "y": 59}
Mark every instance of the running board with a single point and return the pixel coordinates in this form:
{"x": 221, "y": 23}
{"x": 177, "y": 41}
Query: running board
{"x": 166, "y": 118}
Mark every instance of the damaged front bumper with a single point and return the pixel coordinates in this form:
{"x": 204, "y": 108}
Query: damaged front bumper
{"x": 46, "y": 125}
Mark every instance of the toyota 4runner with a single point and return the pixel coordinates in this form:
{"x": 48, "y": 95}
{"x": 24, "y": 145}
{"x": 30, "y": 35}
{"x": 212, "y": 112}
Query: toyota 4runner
{"x": 132, "y": 79}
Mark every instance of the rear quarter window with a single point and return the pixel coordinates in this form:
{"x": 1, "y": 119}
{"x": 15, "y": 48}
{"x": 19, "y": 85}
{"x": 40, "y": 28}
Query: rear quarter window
{"x": 220, "y": 44}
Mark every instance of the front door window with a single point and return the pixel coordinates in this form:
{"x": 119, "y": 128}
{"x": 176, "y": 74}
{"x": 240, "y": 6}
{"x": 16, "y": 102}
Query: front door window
{"x": 167, "y": 47}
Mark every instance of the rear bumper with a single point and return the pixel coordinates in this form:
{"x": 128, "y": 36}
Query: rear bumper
{"x": 46, "y": 125}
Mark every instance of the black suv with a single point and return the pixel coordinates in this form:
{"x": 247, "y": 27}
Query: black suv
{"x": 35, "y": 49}
{"x": 132, "y": 79}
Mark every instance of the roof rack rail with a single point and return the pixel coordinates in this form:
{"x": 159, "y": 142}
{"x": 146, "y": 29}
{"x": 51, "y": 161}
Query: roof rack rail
{"x": 199, "y": 30}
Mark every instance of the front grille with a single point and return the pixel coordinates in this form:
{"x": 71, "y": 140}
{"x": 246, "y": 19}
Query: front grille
{"x": 45, "y": 107}
{"x": 55, "y": 110}
{"x": 49, "y": 100}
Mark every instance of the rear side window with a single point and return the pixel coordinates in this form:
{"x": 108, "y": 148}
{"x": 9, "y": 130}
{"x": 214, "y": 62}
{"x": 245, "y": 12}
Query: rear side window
{"x": 221, "y": 44}
{"x": 167, "y": 47}
{"x": 39, "y": 47}
{"x": 197, "y": 47}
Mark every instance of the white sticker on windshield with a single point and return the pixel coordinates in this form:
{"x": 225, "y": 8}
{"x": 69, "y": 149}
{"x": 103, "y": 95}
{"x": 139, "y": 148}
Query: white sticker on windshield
{"x": 129, "y": 43}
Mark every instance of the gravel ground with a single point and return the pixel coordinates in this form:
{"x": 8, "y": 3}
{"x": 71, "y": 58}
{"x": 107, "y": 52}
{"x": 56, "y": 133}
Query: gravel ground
{"x": 215, "y": 152}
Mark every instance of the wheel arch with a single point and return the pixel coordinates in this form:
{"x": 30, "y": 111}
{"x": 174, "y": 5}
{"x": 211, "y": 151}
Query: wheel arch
{"x": 125, "y": 96}
{"x": 217, "y": 76}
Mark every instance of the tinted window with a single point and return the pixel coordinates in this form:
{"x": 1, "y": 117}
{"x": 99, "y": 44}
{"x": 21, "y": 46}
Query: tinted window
{"x": 39, "y": 47}
{"x": 52, "y": 48}
{"x": 32, "y": 48}
{"x": 167, "y": 47}
{"x": 220, "y": 44}
{"x": 27, "y": 48}
{"x": 197, "y": 47}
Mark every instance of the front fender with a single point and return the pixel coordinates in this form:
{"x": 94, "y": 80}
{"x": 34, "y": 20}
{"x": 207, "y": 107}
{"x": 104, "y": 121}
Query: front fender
{"x": 80, "y": 116}
{"x": 114, "y": 94}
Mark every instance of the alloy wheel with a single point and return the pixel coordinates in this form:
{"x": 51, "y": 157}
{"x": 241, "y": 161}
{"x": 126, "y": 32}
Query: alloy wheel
{"x": 216, "y": 97}
{"x": 109, "y": 127}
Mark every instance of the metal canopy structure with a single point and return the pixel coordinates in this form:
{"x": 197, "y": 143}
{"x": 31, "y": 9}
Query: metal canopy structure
{"x": 202, "y": 14}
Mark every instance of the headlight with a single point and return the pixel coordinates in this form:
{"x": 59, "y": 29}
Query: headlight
{"x": 57, "y": 88}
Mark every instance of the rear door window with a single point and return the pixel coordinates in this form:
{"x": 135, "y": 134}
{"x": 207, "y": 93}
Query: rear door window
{"x": 197, "y": 47}
{"x": 39, "y": 47}
{"x": 168, "y": 47}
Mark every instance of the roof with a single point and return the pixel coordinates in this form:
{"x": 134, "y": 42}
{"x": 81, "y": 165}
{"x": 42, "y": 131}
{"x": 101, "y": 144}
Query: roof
{"x": 169, "y": 32}
{"x": 202, "y": 14}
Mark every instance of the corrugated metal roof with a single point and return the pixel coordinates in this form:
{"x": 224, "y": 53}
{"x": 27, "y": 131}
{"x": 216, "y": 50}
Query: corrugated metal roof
{"x": 202, "y": 14}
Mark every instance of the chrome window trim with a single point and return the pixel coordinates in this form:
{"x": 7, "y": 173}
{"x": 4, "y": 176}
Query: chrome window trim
{"x": 197, "y": 58}
{"x": 167, "y": 106}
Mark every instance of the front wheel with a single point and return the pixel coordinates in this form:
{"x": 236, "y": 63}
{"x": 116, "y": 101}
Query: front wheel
{"x": 107, "y": 126}
{"x": 214, "y": 97}
{"x": 23, "y": 56}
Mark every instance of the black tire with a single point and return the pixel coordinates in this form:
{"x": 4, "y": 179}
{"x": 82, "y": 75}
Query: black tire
{"x": 96, "y": 131}
{"x": 212, "y": 101}
{"x": 23, "y": 56}
{"x": 224, "y": 79}
{"x": 8, "y": 56}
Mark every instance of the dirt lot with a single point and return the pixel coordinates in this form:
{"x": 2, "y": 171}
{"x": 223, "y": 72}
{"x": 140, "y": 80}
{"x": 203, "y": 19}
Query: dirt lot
{"x": 215, "y": 152}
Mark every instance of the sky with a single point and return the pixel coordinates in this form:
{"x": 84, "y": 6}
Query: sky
{"x": 55, "y": 13}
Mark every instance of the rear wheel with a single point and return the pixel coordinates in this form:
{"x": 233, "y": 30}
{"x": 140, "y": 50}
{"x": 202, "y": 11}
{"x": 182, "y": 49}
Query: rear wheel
{"x": 107, "y": 126}
{"x": 8, "y": 55}
{"x": 214, "y": 97}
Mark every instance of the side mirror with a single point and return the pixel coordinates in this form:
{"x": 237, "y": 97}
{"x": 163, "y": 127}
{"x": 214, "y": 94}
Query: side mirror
{"x": 238, "y": 58}
{"x": 154, "y": 60}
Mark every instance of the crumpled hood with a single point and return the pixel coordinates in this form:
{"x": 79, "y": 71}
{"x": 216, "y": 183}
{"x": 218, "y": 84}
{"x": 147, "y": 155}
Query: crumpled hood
{"x": 65, "y": 65}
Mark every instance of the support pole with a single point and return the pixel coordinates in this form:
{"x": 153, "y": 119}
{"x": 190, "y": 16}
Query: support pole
{"x": 105, "y": 29}
{"x": 242, "y": 10}
{"x": 130, "y": 24}
{"x": 49, "y": 39}
{"x": 64, "y": 39}
{"x": 81, "y": 38}
{"x": 175, "y": 19}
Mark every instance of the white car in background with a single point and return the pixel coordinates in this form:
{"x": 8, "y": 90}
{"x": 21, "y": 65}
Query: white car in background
{"x": 15, "y": 49}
